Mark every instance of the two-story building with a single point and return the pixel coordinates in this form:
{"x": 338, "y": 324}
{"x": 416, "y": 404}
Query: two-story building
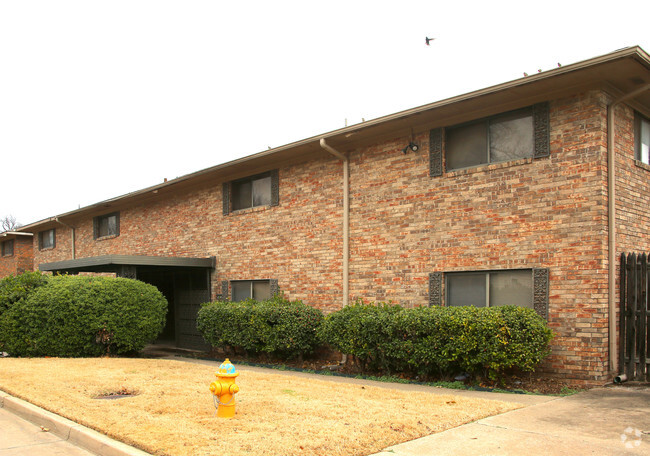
{"x": 523, "y": 193}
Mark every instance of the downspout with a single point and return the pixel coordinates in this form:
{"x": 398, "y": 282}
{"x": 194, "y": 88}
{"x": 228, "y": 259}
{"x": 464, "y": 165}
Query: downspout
{"x": 611, "y": 195}
{"x": 346, "y": 217}
{"x": 56, "y": 219}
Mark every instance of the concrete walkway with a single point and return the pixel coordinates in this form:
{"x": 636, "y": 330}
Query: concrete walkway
{"x": 601, "y": 421}
{"x": 27, "y": 430}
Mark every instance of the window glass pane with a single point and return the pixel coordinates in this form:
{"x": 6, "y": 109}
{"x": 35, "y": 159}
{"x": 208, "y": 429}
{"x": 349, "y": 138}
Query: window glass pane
{"x": 261, "y": 290}
{"x": 112, "y": 224}
{"x": 241, "y": 290}
{"x": 262, "y": 191}
{"x": 47, "y": 239}
{"x": 644, "y": 143}
{"x": 466, "y": 289}
{"x": 511, "y": 137}
{"x": 242, "y": 195}
{"x": 466, "y": 146}
{"x": 103, "y": 226}
{"x": 511, "y": 288}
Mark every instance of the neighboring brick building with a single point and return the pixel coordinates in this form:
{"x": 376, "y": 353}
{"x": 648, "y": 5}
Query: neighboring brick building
{"x": 495, "y": 197}
{"x": 16, "y": 253}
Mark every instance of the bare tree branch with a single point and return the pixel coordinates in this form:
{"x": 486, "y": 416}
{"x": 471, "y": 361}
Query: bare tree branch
{"x": 9, "y": 223}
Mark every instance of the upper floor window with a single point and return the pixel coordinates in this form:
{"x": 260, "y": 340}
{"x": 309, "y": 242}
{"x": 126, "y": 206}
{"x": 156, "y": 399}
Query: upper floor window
{"x": 496, "y": 139}
{"x": 47, "y": 239}
{"x": 106, "y": 225}
{"x": 253, "y": 191}
{"x": 7, "y": 247}
{"x": 490, "y": 288}
{"x": 642, "y": 139}
{"x": 513, "y": 135}
{"x": 259, "y": 290}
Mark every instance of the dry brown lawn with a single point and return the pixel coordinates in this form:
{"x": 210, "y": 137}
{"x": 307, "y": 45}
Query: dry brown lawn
{"x": 277, "y": 414}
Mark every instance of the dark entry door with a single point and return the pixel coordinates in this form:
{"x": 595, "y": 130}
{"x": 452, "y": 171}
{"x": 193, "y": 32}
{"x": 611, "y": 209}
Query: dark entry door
{"x": 191, "y": 289}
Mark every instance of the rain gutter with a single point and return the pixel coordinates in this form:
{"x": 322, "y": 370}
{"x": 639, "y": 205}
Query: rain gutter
{"x": 56, "y": 219}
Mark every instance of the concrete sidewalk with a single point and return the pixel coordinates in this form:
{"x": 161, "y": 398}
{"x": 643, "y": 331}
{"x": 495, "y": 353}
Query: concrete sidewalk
{"x": 601, "y": 421}
{"x": 27, "y": 430}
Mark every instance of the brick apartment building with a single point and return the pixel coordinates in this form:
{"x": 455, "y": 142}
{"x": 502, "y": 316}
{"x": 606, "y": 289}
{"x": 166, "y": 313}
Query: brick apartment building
{"x": 16, "y": 253}
{"x": 499, "y": 196}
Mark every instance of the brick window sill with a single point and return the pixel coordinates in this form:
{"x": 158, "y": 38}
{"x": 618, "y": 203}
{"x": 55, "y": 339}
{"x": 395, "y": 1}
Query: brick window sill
{"x": 489, "y": 167}
{"x": 640, "y": 164}
{"x": 104, "y": 238}
{"x": 46, "y": 248}
{"x": 250, "y": 210}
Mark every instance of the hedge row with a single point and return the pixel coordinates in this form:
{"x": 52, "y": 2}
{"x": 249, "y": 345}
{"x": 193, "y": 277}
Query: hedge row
{"x": 440, "y": 340}
{"x": 78, "y": 316}
{"x": 422, "y": 341}
{"x": 277, "y": 326}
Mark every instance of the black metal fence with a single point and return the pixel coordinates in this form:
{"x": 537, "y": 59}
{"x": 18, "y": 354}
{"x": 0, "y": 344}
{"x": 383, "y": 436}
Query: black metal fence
{"x": 634, "y": 359}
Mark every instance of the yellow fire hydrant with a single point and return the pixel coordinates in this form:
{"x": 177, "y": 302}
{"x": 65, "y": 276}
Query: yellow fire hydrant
{"x": 224, "y": 390}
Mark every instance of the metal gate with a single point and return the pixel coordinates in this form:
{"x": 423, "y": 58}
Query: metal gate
{"x": 634, "y": 358}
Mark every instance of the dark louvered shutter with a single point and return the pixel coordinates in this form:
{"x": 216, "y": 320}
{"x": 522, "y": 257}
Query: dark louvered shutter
{"x": 275, "y": 289}
{"x": 435, "y": 152}
{"x": 435, "y": 289}
{"x": 542, "y": 127}
{"x": 540, "y": 291}
{"x": 226, "y": 198}
{"x": 275, "y": 188}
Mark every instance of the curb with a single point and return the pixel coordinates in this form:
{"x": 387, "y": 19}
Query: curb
{"x": 68, "y": 430}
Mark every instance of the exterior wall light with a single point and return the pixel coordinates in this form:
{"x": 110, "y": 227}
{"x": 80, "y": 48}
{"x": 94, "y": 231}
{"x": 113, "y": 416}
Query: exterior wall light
{"x": 411, "y": 145}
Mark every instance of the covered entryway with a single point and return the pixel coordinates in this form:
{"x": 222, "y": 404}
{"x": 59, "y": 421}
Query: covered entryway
{"x": 185, "y": 282}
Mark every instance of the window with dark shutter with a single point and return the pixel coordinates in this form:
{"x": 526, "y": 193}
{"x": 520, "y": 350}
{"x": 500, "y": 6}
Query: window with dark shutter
{"x": 514, "y": 135}
{"x": 47, "y": 239}
{"x": 259, "y": 290}
{"x": 7, "y": 247}
{"x": 106, "y": 225}
{"x": 516, "y": 287}
{"x": 253, "y": 191}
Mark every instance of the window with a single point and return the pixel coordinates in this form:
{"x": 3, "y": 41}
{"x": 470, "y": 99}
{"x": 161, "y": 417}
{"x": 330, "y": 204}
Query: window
{"x": 7, "y": 248}
{"x": 106, "y": 225}
{"x": 497, "y": 139}
{"x": 642, "y": 139}
{"x": 490, "y": 288}
{"x": 253, "y": 191}
{"x": 514, "y": 135}
{"x": 47, "y": 239}
{"x": 255, "y": 289}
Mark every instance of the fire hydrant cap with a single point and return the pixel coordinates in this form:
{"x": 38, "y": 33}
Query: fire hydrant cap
{"x": 227, "y": 367}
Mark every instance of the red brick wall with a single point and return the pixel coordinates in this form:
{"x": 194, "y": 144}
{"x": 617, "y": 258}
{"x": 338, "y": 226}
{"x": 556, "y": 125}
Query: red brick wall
{"x": 22, "y": 259}
{"x": 298, "y": 242}
{"x": 547, "y": 213}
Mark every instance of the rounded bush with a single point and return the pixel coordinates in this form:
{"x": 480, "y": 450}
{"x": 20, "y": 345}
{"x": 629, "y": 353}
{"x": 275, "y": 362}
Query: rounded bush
{"x": 277, "y": 326}
{"x": 14, "y": 288}
{"x": 439, "y": 340}
{"x": 84, "y": 316}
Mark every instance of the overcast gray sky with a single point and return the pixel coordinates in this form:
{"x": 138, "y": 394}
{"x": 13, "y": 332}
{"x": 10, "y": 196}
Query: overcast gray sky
{"x": 98, "y": 99}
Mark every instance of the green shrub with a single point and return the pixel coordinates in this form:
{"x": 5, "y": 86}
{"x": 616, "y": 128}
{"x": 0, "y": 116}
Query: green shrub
{"x": 439, "y": 340}
{"x": 276, "y": 326}
{"x": 14, "y": 288}
{"x": 83, "y": 316}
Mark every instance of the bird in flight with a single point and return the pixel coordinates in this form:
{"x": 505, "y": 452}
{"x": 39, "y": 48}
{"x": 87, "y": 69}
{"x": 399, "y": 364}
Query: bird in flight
{"x": 428, "y": 40}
